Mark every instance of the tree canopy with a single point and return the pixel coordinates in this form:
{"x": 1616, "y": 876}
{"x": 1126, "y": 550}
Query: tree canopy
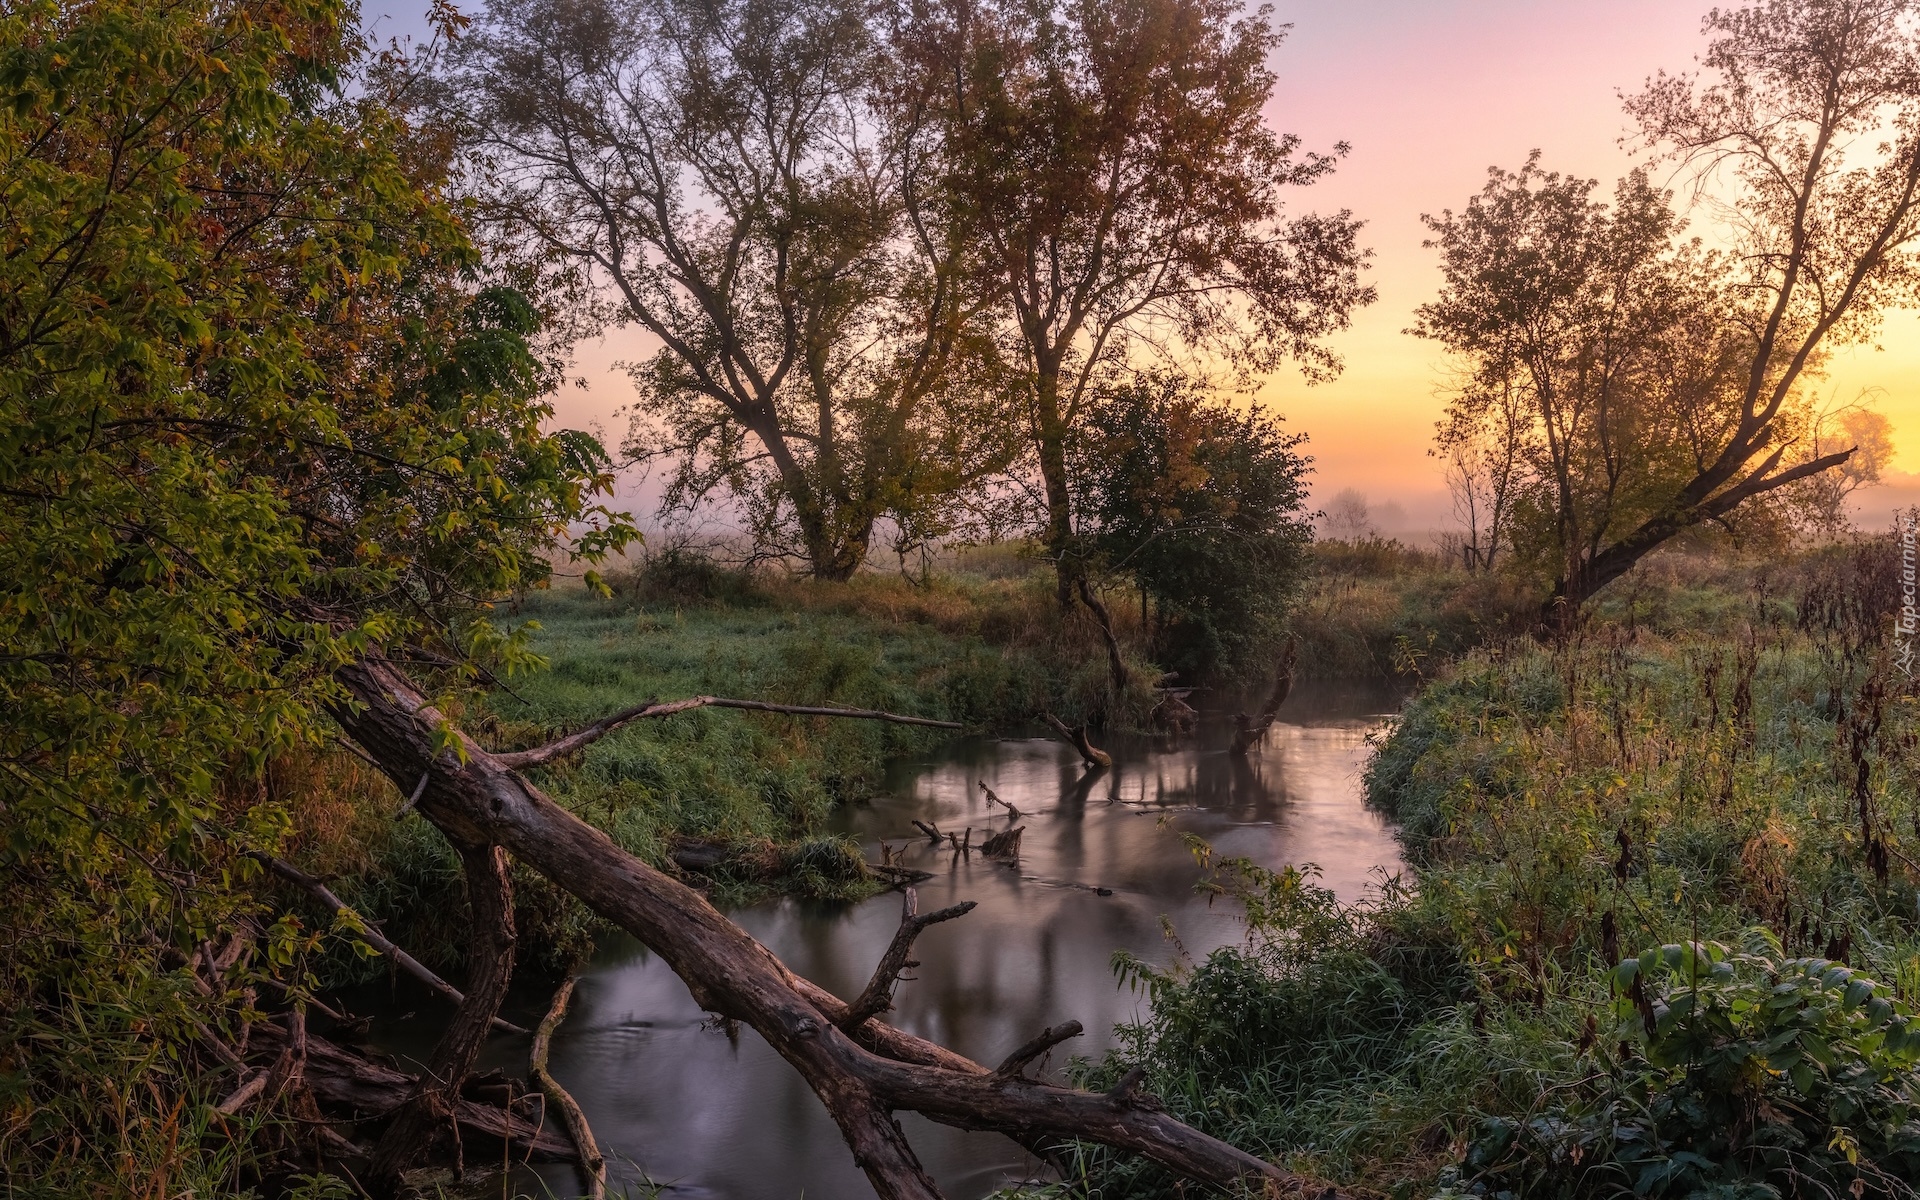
{"x": 261, "y": 412}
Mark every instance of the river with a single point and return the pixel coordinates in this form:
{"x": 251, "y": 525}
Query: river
{"x": 679, "y": 1105}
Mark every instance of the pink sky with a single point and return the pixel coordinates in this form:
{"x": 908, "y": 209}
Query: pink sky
{"x": 1430, "y": 93}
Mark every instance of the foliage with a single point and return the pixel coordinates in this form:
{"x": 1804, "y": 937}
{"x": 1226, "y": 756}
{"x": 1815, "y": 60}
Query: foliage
{"x": 259, "y": 413}
{"x": 1114, "y": 170}
{"x": 749, "y": 183}
{"x": 1741, "y": 1073}
{"x": 1646, "y": 387}
{"x": 1723, "y": 772}
{"x": 1203, "y": 508}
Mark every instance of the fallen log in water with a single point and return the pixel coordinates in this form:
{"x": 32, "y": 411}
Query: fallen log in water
{"x": 862, "y": 1070}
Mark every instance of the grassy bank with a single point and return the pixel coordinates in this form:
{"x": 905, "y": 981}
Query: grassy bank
{"x": 1718, "y": 773}
{"x": 980, "y": 641}
{"x": 985, "y": 648}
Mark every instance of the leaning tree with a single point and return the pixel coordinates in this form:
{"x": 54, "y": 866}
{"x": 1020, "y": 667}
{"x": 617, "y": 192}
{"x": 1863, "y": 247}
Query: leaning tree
{"x": 1668, "y": 385}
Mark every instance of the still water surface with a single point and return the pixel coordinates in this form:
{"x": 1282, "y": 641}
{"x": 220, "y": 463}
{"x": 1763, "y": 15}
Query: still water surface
{"x": 675, "y": 1102}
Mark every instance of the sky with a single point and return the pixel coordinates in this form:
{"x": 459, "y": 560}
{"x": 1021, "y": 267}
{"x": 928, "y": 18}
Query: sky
{"x": 1429, "y": 94}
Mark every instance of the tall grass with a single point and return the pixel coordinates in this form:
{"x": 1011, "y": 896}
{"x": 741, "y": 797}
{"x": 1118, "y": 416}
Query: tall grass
{"x": 1662, "y": 936}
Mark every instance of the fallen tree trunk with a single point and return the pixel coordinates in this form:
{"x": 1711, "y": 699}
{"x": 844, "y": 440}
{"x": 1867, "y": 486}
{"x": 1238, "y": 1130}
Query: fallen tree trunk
{"x": 863, "y": 1073}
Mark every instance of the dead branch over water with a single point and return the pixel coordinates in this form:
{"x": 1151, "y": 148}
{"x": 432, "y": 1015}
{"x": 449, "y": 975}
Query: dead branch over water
{"x": 863, "y": 1070}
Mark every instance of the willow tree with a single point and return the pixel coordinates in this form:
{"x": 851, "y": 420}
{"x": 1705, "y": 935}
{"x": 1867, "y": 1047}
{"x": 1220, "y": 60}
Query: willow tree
{"x": 1804, "y": 124}
{"x": 1126, "y": 196}
{"x": 747, "y": 183}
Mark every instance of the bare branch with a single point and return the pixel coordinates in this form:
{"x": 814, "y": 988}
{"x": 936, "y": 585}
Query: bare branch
{"x": 1045, "y": 1040}
{"x": 375, "y": 938}
{"x": 593, "y": 1164}
{"x": 573, "y": 742}
{"x": 877, "y": 997}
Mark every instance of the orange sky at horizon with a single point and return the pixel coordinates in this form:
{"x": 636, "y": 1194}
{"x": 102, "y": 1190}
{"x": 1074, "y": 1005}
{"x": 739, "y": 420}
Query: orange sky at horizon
{"x": 1430, "y": 93}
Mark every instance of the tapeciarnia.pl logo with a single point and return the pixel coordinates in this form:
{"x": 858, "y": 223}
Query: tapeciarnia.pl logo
{"x": 1907, "y": 623}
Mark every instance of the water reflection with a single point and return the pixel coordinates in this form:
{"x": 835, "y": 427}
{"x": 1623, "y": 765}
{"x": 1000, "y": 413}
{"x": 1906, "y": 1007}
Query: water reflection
{"x": 1102, "y": 868}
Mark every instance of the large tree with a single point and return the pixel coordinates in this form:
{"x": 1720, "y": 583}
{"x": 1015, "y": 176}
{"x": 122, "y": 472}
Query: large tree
{"x": 1126, "y": 196}
{"x": 1603, "y": 363}
{"x": 747, "y": 182}
{"x": 1803, "y": 130}
{"x": 258, "y": 413}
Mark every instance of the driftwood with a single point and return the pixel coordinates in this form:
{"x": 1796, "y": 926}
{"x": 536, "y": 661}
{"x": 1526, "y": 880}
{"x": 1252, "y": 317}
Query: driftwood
{"x": 560, "y": 747}
{"x": 932, "y": 831}
{"x": 1005, "y": 844}
{"x": 862, "y": 1077}
{"x": 1076, "y": 736}
{"x": 593, "y": 1164}
{"x": 1173, "y": 713}
{"x": 1249, "y": 730}
{"x": 993, "y": 798}
{"x": 374, "y": 937}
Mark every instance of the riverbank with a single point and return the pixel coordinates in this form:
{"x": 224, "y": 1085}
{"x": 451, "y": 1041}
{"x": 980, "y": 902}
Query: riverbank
{"x": 1719, "y": 772}
{"x": 982, "y": 643}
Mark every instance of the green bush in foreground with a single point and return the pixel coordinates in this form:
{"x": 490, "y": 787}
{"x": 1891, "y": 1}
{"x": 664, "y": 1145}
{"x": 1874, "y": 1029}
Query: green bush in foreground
{"x": 1736, "y": 793}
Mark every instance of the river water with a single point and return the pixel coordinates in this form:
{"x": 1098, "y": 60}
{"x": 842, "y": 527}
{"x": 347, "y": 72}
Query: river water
{"x": 677, "y": 1103}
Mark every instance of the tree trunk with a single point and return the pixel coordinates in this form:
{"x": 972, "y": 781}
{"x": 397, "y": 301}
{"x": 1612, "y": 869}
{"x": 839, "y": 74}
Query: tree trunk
{"x": 427, "y": 1119}
{"x": 862, "y": 1071}
{"x": 1050, "y": 441}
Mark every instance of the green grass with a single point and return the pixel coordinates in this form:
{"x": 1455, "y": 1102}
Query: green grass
{"x": 1723, "y": 765}
{"x": 989, "y": 651}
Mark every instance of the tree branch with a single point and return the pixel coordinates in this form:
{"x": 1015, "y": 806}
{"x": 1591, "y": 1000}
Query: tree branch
{"x": 592, "y": 1163}
{"x": 375, "y": 938}
{"x": 561, "y": 747}
{"x": 1045, "y": 1040}
{"x": 877, "y": 997}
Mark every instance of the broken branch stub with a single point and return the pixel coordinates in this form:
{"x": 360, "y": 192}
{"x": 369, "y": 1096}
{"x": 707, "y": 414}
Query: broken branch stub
{"x": 861, "y": 1078}
{"x": 1249, "y": 730}
{"x": 877, "y": 996}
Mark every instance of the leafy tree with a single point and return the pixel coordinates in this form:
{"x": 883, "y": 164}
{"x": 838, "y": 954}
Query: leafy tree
{"x": 1806, "y": 118}
{"x": 749, "y": 183}
{"x": 1821, "y": 500}
{"x": 1203, "y": 508}
{"x": 1603, "y": 352}
{"x": 259, "y": 413}
{"x": 1125, "y": 192}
